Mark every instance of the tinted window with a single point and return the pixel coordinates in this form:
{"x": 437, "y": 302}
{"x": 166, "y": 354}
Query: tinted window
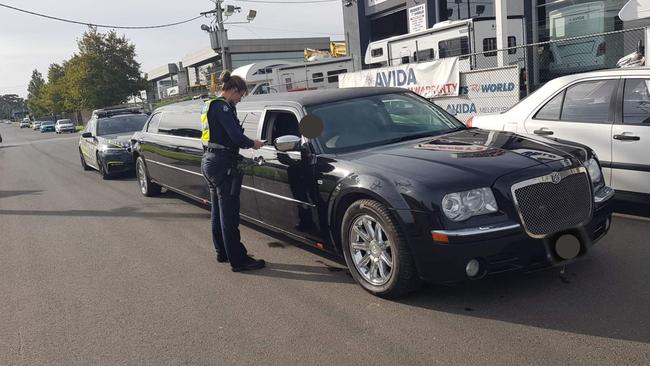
{"x": 512, "y": 42}
{"x": 317, "y": 77}
{"x": 424, "y": 55}
{"x": 489, "y": 44}
{"x": 181, "y": 124}
{"x": 453, "y": 47}
{"x": 377, "y": 52}
{"x": 551, "y": 111}
{"x": 120, "y": 124}
{"x": 636, "y": 102}
{"x": 588, "y": 101}
{"x": 333, "y": 76}
{"x": 153, "y": 123}
{"x": 380, "y": 119}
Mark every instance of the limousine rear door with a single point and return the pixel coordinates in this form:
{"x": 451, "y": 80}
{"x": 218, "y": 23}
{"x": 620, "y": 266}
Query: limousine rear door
{"x": 284, "y": 181}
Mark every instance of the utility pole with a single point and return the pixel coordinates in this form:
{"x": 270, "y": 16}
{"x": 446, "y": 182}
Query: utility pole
{"x": 218, "y": 32}
{"x": 222, "y": 36}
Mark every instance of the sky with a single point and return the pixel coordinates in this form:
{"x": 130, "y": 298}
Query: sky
{"x": 28, "y": 42}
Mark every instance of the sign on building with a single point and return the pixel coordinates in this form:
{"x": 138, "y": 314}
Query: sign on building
{"x": 417, "y": 18}
{"x": 483, "y": 92}
{"x": 429, "y": 79}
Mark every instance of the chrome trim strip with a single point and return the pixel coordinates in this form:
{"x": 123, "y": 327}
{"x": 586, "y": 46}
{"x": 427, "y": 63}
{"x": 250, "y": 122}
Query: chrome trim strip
{"x": 173, "y": 167}
{"x": 277, "y": 196}
{"x": 275, "y": 228}
{"x": 604, "y": 194}
{"x": 182, "y": 192}
{"x": 477, "y": 230}
{"x": 548, "y": 179}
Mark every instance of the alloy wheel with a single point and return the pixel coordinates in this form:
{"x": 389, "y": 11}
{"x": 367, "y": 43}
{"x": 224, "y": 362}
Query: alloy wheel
{"x": 371, "y": 250}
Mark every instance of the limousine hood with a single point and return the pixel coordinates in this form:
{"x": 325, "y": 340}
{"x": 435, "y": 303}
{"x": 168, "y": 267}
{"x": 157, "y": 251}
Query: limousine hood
{"x": 471, "y": 154}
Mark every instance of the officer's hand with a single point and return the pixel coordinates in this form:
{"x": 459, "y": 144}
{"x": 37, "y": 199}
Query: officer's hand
{"x": 258, "y": 144}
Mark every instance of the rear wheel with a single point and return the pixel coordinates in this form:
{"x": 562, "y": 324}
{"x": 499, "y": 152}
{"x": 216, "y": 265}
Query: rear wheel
{"x": 147, "y": 187}
{"x": 83, "y": 161}
{"x": 375, "y": 250}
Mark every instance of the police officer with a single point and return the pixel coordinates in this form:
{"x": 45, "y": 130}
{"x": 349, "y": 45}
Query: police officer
{"x": 222, "y": 138}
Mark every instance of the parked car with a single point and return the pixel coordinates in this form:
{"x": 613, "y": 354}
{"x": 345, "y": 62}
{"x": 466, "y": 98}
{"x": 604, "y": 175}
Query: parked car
{"x": 24, "y": 124}
{"x": 606, "y": 110}
{"x": 36, "y": 126}
{"x": 64, "y": 125}
{"x": 47, "y": 126}
{"x": 403, "y": 195}
{"x": 105, "y": 144}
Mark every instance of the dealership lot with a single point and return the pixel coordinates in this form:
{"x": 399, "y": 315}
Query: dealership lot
{"x": 92, "y": 272}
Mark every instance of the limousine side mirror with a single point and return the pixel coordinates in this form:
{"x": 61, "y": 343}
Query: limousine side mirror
{"x": 287, "y": 143}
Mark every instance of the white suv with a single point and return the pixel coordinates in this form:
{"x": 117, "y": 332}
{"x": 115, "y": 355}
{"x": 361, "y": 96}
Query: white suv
{"x": 607, "y": 110}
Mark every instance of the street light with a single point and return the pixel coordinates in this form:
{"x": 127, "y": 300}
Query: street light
{"x": 205, "y": 28}
{"x": 251, "y": 15}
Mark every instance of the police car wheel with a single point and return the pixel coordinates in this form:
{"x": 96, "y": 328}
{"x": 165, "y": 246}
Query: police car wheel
{"x": 83, "y": 161}
{"x": 147, "y": 187}
{"x": 102, "y": 169}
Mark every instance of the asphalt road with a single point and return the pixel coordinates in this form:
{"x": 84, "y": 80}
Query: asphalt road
{"x": 93, "y": 273}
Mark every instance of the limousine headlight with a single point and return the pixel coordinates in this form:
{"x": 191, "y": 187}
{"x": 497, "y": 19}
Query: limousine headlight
{"x": 463, "y": 205}
{"x": 595, "y": 173}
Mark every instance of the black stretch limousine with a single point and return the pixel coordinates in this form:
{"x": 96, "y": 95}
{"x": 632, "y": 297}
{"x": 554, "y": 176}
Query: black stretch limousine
{"x": 394, "y": 184}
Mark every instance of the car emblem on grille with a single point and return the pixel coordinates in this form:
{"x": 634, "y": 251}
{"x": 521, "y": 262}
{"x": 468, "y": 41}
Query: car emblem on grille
{"x": 556, "y": 177}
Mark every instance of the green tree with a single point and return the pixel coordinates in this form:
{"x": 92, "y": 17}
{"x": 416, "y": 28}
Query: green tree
{"x": 35, "y": 89}
{"x": 54, "y": 90}
{"x": 11, "y": 103}
{"x": 105, "y": 71}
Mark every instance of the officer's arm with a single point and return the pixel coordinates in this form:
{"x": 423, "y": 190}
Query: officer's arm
{"x": 231, "y": 126}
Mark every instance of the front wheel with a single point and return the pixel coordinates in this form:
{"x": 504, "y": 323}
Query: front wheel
{"x": 147, "y": 187}
{"x": 375, "y": 250}
{"x": 83, "y": 161}
{"x": 102, "y": 169}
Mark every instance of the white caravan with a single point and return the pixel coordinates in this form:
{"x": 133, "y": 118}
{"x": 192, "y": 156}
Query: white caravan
{"x": 295, "y": 77}
{"x": 571, "y": 53}
{"x": 448, "y": 39}
{"x": 259, "y": 75}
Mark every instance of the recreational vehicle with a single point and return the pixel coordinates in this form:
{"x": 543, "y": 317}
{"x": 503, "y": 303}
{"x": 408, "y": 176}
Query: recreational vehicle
{"x": 472, "y": 38}
{"x": 264, "y": 79}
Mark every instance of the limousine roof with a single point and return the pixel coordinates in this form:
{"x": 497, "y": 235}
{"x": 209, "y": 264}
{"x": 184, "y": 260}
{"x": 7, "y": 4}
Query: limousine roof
{"x": 302, "y": 98}
{"x": 312, "y": 97}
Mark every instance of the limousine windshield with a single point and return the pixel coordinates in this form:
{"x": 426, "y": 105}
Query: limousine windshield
{"x": 380, "y": 119}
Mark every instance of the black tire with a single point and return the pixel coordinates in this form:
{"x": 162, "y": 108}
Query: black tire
{"x": 403, "y": 276}
{"x": 102, "y": 170}
{"x": 83, "y": 161}
{"x": 147, "y": 187}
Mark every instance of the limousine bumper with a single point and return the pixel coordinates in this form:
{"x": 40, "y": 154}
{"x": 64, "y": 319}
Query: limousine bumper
{"x": 449, "y": 257}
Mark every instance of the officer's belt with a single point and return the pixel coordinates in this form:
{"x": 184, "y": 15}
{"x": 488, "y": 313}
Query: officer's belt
{"x": 214, "y": 147}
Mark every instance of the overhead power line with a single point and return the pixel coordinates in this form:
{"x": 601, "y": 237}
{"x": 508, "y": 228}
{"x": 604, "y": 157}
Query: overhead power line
{"x": 287, "y": 2}
{"x": 97, "y": 25}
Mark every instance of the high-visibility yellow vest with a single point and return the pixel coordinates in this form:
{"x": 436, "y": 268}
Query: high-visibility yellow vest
{"x": 205, "y": 126}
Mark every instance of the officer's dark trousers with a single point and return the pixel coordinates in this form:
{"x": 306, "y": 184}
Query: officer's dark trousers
{"x": 219, "y": 170}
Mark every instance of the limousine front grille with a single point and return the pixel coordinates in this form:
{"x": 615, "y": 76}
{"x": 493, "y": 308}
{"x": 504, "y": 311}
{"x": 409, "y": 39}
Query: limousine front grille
{"x": 553, "y": 202}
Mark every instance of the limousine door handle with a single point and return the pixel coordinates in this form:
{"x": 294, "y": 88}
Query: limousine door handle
{"x": 543, "y": 132}
{"x": 259, "y": 160}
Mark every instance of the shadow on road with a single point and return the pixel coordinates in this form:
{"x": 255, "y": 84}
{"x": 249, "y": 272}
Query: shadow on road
{"x": 5, "y": 194}
{"x": 544, "y": 299}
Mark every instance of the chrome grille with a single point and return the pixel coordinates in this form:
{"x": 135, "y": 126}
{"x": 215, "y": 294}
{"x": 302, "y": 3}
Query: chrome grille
{"x": 554, "y": 202}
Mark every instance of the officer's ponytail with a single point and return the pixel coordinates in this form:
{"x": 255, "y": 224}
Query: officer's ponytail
{"x": 230, "y": 82}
